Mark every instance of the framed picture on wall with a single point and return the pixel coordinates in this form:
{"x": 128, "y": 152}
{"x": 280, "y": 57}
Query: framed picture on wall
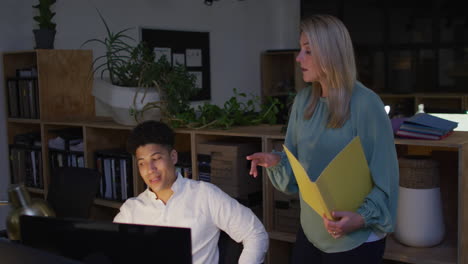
{"x": 188, "y": 48}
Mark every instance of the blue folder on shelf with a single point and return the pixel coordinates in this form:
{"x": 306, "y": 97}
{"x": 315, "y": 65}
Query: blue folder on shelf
{"x": 429, "y": 121}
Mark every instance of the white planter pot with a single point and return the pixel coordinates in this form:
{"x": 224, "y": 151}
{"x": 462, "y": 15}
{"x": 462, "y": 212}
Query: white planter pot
{"x": 419, "y": 219}
{"x": 117, "y": 102}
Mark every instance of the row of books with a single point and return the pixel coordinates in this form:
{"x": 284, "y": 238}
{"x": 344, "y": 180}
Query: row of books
{"x": 62, "y": 158}
{"x": 23, "y": 98}
{"x": 26, "y": 165}
{"x": 184, "y": 165}
{"x": 425, "y": 126}
{"x": 116, "y": 171}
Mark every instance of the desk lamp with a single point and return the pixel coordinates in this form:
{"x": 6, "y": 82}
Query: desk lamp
{"x": 22, "y": 204}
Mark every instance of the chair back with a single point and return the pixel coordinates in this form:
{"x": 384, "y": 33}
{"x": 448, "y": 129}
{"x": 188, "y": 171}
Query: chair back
{"x": 229, "y": 250}
{"x": 72, "y": 191}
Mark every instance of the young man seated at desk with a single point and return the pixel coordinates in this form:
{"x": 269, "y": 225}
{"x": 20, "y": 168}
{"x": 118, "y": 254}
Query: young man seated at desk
{"x": 171, "y": 200}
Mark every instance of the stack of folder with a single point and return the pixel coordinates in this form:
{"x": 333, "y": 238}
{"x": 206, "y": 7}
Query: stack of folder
{"x": 426, "y": 126}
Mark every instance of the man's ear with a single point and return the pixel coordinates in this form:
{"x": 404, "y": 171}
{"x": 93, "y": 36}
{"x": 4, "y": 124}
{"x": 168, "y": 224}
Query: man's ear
{"x": 174, "y": 156}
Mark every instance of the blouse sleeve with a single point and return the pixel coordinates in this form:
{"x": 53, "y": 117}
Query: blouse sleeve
{"x": 281, "y": 175}
{"x": 375, "y": 131}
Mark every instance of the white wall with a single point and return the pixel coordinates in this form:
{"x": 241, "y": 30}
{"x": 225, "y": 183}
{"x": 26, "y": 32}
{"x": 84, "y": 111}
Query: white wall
{"x": 15, "y": 35}
{"x": 239, "y": 32}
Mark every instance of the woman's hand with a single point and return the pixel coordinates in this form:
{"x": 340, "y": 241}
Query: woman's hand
{"x": 263, "y": 159}
{"x": 346, "y": 222}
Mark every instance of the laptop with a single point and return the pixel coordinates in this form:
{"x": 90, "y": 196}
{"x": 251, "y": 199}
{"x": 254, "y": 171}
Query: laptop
{"x": 91, "y": 241}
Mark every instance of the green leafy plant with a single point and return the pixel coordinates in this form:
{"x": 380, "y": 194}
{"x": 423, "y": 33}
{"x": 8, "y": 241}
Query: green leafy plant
{"x": 233, "y": 113}
{"x": 135, "y": 66}
{"x": 44, "y": 19}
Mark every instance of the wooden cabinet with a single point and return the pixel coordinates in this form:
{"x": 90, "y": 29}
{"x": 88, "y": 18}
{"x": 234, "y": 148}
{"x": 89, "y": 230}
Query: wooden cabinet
{"x": 62, "y": 91}
{"x": 63, "y": 80}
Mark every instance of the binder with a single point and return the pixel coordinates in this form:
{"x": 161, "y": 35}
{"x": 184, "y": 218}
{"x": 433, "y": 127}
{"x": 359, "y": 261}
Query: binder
{"x": 116, "y": 170}
{"x": 342, "y": 185}
{"x": 429, "y": 121}
{"x": 13, "y": 98}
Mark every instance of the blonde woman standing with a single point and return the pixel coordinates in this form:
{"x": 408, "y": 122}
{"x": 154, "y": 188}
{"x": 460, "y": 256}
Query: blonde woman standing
{"x": 324, "y": 118}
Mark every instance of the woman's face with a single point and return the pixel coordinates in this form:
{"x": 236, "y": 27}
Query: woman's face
{"x": 310, "y": 72}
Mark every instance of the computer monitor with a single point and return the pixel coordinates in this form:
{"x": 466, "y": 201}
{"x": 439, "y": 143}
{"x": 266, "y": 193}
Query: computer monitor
{"x": 106, "y": 242}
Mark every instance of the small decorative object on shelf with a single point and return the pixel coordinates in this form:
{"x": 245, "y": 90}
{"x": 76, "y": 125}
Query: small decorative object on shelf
{"x": 45, "y": 35}
{"x": 420, "y": 109}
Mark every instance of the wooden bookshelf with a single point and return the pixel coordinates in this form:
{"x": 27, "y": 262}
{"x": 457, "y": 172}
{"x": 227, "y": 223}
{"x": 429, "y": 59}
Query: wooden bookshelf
{"x": 103, "y": 133}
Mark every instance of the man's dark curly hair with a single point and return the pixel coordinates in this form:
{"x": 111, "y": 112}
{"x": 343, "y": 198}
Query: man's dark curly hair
{"x": 150, "y": 132}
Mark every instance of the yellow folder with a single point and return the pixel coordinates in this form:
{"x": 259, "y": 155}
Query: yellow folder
{"x": 342, "y": 185}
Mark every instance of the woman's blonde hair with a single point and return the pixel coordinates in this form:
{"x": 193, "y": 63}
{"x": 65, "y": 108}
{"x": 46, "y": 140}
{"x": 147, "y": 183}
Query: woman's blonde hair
{"x": 333, "y": 55}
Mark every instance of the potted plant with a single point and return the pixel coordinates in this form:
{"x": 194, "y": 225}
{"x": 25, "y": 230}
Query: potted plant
{"x": 45, "y": 35}
{"x": 138, "y": 87}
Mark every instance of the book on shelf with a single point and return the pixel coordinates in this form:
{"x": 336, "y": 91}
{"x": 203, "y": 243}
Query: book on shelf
{"x": 425, "y": 126}
{"x": 342, "y": 185}
{"x": 23, "y": 98}
{"x": 28, "y": 98}
{"x": 65, "y": 158}
{"x": 432, "y": 122}
{"x": 29, "y": 72}
{"x": 67, "y": 138}
{"x": 417, "y": 135}
{"x": 204, "y": 167}
{"x": 13, "y": 98}
{"x": 26, "y": 165}
{"x": 422, "y": 129}
{"x": 115, "y": 167}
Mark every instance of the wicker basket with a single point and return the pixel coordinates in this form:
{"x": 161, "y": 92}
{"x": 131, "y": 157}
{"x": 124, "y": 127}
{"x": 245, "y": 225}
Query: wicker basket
{"x": 419, "y": 172}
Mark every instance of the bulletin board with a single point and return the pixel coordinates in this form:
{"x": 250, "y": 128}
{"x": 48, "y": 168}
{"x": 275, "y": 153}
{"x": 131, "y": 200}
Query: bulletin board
{"x": 189, "y": 48}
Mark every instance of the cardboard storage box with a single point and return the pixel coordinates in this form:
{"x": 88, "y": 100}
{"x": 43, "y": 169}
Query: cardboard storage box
{"x": 229, "y": 169}
{"x": 287, "y": 212}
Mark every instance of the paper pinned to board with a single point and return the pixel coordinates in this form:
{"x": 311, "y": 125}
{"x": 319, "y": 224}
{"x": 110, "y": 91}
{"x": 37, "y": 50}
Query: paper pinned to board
{"x": 342, "y": 185}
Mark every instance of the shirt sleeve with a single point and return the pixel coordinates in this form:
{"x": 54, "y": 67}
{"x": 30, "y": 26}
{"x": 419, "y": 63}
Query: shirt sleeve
{"x": 240, "y": 223}
{"x": 375, "y": 131}
{"x": 281, "y": 175}
{"x": 124, "y": 214}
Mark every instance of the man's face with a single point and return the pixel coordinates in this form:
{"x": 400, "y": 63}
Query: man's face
{"x": 156, "y": 166}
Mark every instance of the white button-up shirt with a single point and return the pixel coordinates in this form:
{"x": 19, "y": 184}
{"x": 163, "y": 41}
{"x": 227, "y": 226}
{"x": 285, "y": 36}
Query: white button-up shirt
{"x": 205, "y": 209}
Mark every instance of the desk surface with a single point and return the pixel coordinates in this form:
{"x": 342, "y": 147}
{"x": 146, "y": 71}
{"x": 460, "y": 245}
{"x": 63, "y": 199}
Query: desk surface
{"x": 16, "y": 253}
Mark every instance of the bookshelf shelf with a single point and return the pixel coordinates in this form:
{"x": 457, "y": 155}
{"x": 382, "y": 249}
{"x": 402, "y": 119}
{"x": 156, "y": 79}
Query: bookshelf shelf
{"x": 444, "y": 253}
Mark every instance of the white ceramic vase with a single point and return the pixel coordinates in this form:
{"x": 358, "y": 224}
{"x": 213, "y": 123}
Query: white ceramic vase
{"x": 419, "y": 217}
{"x": 116, "y": 101}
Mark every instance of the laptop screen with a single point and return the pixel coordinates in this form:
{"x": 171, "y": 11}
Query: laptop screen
{"x": 106, "y": 242}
